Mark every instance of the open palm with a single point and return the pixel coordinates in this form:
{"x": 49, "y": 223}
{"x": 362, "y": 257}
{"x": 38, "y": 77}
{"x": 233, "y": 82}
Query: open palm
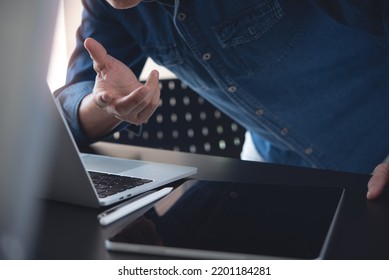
{"x": 117, "y": 89}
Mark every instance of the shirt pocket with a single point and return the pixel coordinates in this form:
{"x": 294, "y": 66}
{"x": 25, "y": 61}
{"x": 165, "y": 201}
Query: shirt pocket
{"x": 257, "y": 37}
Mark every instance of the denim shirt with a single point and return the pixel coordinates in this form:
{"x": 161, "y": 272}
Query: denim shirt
{"x": 308, "y": 79}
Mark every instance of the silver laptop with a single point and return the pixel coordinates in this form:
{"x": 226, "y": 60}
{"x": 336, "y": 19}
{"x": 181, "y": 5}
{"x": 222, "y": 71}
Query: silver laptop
{"x": 95, "y": 180}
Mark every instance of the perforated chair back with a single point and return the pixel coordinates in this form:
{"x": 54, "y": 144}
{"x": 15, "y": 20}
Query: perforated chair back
{"x": 186, "y": 122}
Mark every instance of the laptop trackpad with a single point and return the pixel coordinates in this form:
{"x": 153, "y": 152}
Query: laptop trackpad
{"x": 108, "y": 164}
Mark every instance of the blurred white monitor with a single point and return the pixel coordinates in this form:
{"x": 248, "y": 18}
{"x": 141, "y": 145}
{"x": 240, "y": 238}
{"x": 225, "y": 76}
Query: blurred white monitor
{"x": 26, "y": 31}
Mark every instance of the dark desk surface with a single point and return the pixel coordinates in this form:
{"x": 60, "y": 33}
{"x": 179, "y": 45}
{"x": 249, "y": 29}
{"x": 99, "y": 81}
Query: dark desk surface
{"x": 362, "y": 229}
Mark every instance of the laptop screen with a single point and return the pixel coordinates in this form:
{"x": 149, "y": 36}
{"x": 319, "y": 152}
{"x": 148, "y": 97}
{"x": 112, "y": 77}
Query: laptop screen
{"x": 224, "y": 219}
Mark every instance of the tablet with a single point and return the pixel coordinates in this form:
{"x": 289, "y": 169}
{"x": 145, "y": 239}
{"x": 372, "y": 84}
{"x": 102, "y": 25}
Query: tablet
{"x": 231, "y": 220}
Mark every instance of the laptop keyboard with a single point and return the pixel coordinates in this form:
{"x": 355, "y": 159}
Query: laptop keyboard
{"x": 109, "y": 184}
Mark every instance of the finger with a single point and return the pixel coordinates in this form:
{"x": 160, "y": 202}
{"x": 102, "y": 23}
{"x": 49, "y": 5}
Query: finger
{"x": 148, "y": 111}
{"x": 101, "y": 97}
{"x": 143, "y": 115}
{"x": 153, "y": 79}
{"x": 128, "y": 107}
{"x": 102, "y": 100}
{"x": 151, "y": 92}
{"x": 138, "y": 106}
{"x": 151, "y": 89}
{"x": 378, "y": 181}
{"x": 97, "y": 52}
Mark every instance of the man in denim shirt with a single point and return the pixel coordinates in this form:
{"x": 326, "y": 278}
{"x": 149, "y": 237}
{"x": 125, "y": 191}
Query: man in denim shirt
{"x": 307, "y": 79}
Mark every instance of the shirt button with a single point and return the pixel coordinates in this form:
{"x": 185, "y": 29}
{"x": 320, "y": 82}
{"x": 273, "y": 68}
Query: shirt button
{"x": 232, "y": 89}
{"x": 206, "y": 56}
{"x": 181, "y": 16}
{"x": 284, "y": 131}
{"x": 259, "y": 112}
{"x": 308, "y": 151}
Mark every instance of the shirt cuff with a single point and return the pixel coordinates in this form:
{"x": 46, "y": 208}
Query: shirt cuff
{"x": 70, "y": 98}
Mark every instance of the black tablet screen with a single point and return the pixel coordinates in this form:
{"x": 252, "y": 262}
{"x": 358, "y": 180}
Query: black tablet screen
{"x": 242, "y": 218}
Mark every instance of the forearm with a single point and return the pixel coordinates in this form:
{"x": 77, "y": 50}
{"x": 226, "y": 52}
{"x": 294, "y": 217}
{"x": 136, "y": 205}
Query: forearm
{"x": 88, "y": 122}
{"x": 95, "y": 121}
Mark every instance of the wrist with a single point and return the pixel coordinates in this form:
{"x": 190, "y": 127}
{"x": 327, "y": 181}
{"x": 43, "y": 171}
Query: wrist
{"x": 95, "y": 121}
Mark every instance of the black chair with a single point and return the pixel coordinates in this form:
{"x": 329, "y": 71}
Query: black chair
{"x": 186, "y": 122}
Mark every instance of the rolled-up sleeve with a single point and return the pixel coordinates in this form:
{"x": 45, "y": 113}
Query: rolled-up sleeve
{"x": 70, "y": 98}
{"x": 100, "y": 22}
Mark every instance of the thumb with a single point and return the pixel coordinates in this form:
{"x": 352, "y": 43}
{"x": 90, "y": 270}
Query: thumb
{"x": 97, "y": 52}
{"x": 378, "y": 181}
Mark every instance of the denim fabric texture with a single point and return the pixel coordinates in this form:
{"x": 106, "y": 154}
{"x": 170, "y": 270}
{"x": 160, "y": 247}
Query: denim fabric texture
{"x": 308, "y": 79}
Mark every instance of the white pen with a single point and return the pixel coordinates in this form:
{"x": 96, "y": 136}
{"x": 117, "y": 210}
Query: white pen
{"x": 113, "y": 214}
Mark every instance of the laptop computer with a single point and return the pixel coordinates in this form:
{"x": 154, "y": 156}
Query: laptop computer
{"x": 96, "y": 180}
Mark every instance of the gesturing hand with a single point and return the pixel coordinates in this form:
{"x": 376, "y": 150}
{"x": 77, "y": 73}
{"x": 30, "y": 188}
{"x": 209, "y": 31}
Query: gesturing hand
{"x": 118, "y": 91}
